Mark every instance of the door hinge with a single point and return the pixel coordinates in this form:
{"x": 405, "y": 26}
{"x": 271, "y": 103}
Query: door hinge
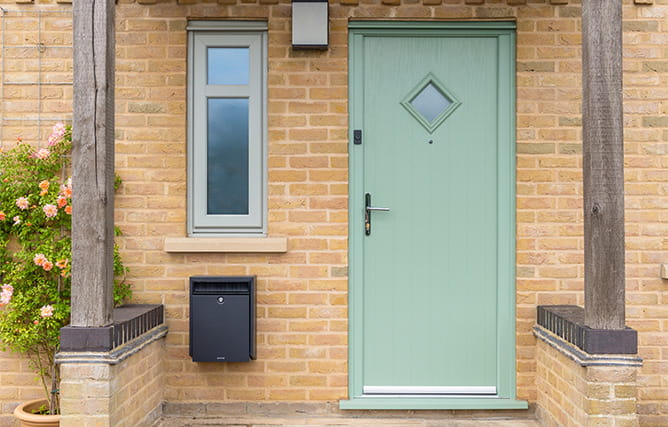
{"x": 357, "y": 137}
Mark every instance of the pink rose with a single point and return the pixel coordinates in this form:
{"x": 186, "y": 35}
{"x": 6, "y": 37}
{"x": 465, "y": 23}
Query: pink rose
{"x": 50, "y": 210}
{"x": 46, "y": 311}
{"x": 57, "y": 133}
{"x": 22, "y": 203}
{"x": 6, "y": 294}
{"x": 59, "y": 129}
{"x": 42, "y": 153}
{"x": 66, "y": 191}
{"x": 39, "y": 259}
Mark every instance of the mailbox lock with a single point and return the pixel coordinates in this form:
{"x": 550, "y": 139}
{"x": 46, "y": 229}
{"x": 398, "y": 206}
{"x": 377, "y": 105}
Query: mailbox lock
{"x": 221, "y": 300}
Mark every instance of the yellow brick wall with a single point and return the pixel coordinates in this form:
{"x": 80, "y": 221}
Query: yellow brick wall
{"x": 17, "y": 385}
{"x": 36, "y": 46}
{"x": 302, "y": 311}
{"x": 129, "y": 393}
{"x": 572, "y": 395}
{"x": 138, "y": 387}
{"x": 560, "y": 385}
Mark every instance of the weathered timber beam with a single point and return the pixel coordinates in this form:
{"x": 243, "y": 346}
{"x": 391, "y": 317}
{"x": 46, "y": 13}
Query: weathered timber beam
{"x": 603, "y": 172}
{"x": 93, "y": 164}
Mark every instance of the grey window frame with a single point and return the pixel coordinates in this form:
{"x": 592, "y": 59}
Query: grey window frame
{"x": 201, "y": 36}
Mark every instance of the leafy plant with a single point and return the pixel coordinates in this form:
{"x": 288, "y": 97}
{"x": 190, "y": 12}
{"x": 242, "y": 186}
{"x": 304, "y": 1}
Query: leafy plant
{"x": 35, "y": 254}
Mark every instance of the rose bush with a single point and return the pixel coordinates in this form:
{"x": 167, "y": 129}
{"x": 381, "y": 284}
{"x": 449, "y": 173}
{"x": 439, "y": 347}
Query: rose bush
{"x": 35, "y": 253}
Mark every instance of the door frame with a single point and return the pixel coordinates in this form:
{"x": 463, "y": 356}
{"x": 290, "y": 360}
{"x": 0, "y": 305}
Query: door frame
{"x": 505, "y": 398}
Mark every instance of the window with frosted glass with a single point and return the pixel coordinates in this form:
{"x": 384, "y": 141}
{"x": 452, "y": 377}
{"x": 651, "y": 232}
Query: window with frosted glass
{"x": 227, "y": 156}
{"x": 226, "y": 128}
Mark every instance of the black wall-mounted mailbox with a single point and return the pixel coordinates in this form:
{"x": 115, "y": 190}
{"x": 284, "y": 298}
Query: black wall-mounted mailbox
{"x": 222, "y": 319}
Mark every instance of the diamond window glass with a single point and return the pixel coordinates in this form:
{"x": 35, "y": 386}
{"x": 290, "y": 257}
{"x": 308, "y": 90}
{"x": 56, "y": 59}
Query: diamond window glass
{"x": 430, "y": 103}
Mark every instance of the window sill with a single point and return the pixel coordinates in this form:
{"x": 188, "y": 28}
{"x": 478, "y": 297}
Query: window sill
{"x": 226, "y": 244}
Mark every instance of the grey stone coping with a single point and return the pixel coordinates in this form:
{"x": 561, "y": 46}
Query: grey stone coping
{"x": 129, "y": 322}
{"x": 567, "y": 322}
{"x": 581, "y": 357}
{"x": 117, "y": 355}
{"x": 135, "y": 326}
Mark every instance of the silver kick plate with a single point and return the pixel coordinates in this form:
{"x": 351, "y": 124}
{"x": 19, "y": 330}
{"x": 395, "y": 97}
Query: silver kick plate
{"x": 431, "y": 390}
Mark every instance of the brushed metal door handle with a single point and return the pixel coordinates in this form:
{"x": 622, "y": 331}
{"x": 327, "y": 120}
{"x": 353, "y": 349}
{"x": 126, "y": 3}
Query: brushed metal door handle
{"x": 367, "y": 212}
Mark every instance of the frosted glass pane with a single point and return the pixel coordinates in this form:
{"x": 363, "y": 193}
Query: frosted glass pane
{"x": 430, "y": 102}
{"x": 227, "y": 66}
{"x": 227, "y": 156}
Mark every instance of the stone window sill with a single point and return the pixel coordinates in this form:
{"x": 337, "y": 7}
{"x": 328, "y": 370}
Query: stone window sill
{"x": 226, "y": 244}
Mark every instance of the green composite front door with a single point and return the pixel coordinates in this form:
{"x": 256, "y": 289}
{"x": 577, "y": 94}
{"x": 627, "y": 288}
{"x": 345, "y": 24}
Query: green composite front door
{"x": 432, "y": 224}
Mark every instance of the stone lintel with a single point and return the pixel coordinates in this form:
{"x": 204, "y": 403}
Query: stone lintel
{"x": 567, "y": 322}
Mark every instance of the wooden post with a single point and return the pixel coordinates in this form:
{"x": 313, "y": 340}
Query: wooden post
{"x": 603, "y": 154}
{"x": 93, "y": 163}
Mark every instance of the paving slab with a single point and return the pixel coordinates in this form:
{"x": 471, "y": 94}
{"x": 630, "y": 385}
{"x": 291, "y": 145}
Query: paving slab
{"x": 339, "y": 422}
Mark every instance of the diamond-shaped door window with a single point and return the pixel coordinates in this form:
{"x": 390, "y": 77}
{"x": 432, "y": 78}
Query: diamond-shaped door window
{"x": 430, "y": 103}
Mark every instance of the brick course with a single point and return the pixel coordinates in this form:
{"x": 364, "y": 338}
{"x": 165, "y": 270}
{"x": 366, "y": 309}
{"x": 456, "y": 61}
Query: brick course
{"x": 302, "y": 312}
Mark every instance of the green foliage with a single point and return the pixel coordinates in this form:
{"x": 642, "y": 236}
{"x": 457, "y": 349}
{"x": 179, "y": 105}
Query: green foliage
{"x": 122, "y": 290}
{"x": 117, "y": 182}
{"x": 35, "y": 253}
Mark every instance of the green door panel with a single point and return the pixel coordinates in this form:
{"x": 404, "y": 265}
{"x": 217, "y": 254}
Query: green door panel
{"x": 431, "y": 284}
